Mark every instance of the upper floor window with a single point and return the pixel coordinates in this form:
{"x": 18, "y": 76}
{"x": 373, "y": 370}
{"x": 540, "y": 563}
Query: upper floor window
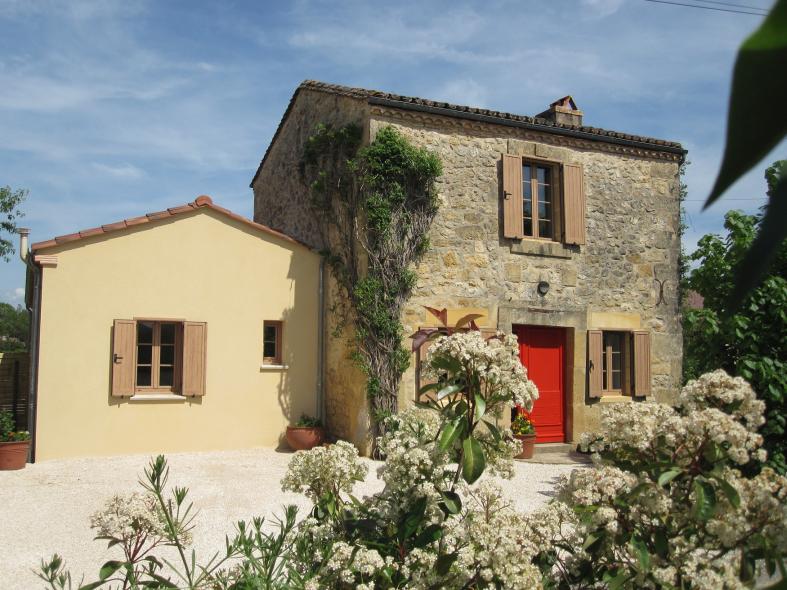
{"x": 537, "y": 209}
{"x": 543, "y": 200}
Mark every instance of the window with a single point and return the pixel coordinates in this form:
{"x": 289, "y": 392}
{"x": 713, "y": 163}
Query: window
{"x": 537, "y": 207}
{"x": 158, "y": 353}
{"x": 272, "y": 343}
{"x": 543, "y": 200}
{"x": 618, "y": 362}
{"x": 614, "y": 362}
{"x": 158, "y": 357}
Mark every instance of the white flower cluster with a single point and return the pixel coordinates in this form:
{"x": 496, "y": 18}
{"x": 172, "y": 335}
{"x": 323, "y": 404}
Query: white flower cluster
{"x": 731, "y": 395}
{"x": 334, "y": 468}
{"x": 495, "y": 361}
{"x": 714, "y": 424}
{"x": 415, "y": 467}
{"x": 126, "y": 516}
{"x": 714, "y": 408}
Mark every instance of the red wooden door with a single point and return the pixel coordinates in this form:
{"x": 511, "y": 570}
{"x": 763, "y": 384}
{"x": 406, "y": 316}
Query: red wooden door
{"x": 541, "y": 351}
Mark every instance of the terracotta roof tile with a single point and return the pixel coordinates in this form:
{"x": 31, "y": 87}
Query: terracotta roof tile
{"x": 202, "y": 202}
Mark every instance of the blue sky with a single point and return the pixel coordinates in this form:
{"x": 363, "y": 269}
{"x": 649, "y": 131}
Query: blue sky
{"x": 113, "y": 109}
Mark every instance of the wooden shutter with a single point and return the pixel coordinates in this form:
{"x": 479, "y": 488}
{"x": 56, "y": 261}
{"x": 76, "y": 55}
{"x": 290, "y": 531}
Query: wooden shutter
{"x": 573, "y": 204}
{"x": 595, "y": 367}
{"x": 124, "y": 357}
{"x": 513, "y": 225}
{"x": 642, "y": 362}
{"x": 195, "y": 338}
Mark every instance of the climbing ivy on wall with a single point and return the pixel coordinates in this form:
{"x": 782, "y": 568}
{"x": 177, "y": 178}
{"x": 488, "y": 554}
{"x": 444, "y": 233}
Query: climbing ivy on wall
{"x": 375, "y": 205}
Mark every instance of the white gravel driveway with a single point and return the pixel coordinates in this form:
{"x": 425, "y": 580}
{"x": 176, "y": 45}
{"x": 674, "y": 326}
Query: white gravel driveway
{"x": 45, "y": 508}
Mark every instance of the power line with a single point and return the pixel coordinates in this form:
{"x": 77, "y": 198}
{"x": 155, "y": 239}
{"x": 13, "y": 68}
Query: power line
{"x": 731, "y": 4}
{"x": 708, "y": 7}
{"x": 752, "y": 199}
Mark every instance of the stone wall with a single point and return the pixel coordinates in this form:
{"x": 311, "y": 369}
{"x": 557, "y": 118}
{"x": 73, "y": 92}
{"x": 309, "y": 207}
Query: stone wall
{"x": 632, "y": 221}
{"x": 281, "y": 201}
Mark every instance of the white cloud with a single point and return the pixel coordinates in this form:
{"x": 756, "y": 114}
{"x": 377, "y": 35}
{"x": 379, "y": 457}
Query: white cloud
{"x": 602, "y": 8}
{"x": 126, "y": 171}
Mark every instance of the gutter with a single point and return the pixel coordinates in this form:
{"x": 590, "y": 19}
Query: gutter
{"x": 576, "y": 133}
{"x": 33, "y": 306}
{"x": 321, "y": 343}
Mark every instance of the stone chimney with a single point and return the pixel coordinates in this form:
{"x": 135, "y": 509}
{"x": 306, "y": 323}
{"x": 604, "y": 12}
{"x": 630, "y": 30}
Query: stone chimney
{"x": 564, "y": 111}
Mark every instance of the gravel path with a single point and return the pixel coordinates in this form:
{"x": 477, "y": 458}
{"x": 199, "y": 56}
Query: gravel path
{"x": 45, "y": 508}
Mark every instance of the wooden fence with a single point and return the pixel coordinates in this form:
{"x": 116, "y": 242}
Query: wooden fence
{"x": 14, "y": 385}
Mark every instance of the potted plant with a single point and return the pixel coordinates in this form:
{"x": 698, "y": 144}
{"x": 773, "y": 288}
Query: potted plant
{"x": 14, "y": 444}
{"x": 525, "y": 432}
{"x": 306, "y": 434}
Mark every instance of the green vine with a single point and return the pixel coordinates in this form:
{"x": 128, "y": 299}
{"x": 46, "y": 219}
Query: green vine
{"x": 375, "y": 205}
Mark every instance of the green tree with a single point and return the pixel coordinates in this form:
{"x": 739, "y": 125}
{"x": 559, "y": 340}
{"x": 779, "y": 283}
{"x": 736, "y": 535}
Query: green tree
{"x": 747, "y": 340}
{"x": 13, "y": 328}
{"x": 9, "y": 213}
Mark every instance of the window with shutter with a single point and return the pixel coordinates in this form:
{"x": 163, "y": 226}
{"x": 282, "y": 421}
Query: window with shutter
{"x": 123, "y": 357}
{"x": 543, "y": 200}
{"x": 618, "y": 362}
{"x": 595, "y": 362}
{"x": 195, "y": 336}
{"x": 152, "y": 357}
{"x": 642, "y": 373}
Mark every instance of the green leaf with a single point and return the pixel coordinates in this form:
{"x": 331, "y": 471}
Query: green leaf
{"x": 618, "y": 580}
{"x": 591, "y": 540}
{"x": 428, "y": 387}
{"x": 493, "y": 430}
{"x": 452, "y": 502}
{"x": 448, "y": 390}
{"x": 668, "y": 476}
{"x": 451, "y": 430}
{"x": 412, "y": 520}
{"x": 729, "y": 491}
{"x": 109, "y": 568}
{"x": 641, "y": 550}
{"x": 756, "y": 83}
{"x": 430, "y": 534}
{"x": 660, "y": 543}
{"x": 92, "y": 586}
{"x": 480, "y": 406}
{"x": 758, "y": 258}
{"x": 473, "y": 460}
{"x": 704, "y": 500}
{"x": 444, "y": 563}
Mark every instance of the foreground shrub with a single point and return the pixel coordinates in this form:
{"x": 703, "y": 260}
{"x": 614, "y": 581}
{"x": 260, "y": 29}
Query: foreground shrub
{"x": 666, "y": 505}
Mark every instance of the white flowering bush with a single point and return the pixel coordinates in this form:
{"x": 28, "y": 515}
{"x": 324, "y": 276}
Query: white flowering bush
{"x": 324, "y": 470}
{"x": 677, "y": 499}
{"x": 669, "y": 504}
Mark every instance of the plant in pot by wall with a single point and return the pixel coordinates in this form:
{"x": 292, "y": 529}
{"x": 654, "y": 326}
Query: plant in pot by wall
{"x": 306, "y": 434}
{"x": 525, "y": 432}
{"x": 14, "y": 444}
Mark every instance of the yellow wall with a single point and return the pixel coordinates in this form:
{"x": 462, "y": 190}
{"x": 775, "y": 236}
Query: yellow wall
{"x": 199, "y": 266}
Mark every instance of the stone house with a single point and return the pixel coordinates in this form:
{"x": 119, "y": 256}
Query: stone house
{"x": 564, "y": 234}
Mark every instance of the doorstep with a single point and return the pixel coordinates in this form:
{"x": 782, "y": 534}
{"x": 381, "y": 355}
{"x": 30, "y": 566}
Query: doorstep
{"x": 558, "y": 454}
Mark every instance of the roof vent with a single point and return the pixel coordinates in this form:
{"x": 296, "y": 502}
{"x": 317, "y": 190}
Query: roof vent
{"x": 564, "y": 111}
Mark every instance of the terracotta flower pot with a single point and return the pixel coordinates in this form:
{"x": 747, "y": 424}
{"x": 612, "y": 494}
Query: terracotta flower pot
{"x": 528, "y": 445}
{"x": 13, "y": 455}
{"x": 303, "y": 438}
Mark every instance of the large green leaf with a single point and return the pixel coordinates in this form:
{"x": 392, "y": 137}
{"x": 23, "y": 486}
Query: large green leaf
{"x": 480, "y": 406}
{"x": 450, "y": 431}
{"x": 757, "y": 119}
{"x": 473, "y": 460}
{"x": 704, "y": 500}
{"x": 108, "y": 569}
{"x": 765, "y": 246}
{"x": 448, "y": 390}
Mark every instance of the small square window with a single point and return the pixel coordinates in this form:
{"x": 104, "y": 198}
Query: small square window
{"x": 272, "y": 343}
